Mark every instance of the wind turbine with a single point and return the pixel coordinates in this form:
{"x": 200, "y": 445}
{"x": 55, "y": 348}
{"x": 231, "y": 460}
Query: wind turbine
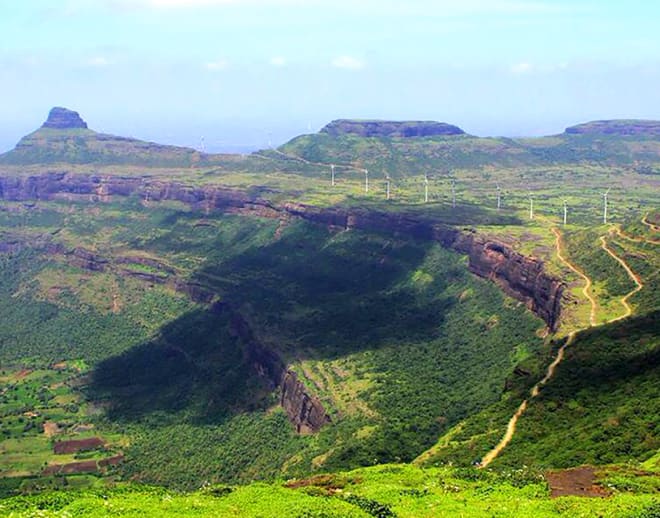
{"x": 499, "y": 196}
{"x": 332, "y": 173}
{"x": 605, "y": 206}
{"x": 387, "y": 186}
{"x": 531, "y": 206}
{"x": 366, "y": 180}
{"x": 565, "y": 211}
{"x": 426, "y": 188}
{"x": 453, "y": 193}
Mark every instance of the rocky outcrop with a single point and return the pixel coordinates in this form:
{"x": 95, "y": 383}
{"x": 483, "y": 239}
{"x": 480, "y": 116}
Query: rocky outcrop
{"x": 87, "y": 260}
{"x": 62, "y": 118}
{"x": 617, "y": 127}
{"x": 305, "y": 411}
{"x": 521, "y": 277}
{"x": 381, "y": 128}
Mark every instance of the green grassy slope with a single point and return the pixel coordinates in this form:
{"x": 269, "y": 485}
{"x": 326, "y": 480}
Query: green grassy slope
{"x": 385, "y": 491}
{"x": 401, "y": 157}
{"x": 84, "y": 146}
{"x": 434, "y": 344}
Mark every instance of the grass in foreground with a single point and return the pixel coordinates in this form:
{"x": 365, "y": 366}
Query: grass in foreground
{"x": 382, "y": 491}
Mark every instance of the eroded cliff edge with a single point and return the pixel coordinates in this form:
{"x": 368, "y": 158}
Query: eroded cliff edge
{"x": 522, "y": 277}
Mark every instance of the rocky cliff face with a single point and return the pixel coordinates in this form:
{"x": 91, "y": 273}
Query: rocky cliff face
{"x": 522, "y": 277}
{"x": 617, "y": 127}
{"x": 304, "y": 410}
{"x": 378, "y": 128}
{"x": 61, "y": 118}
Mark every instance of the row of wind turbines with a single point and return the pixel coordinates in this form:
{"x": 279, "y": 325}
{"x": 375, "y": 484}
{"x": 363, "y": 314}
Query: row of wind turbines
{"x": 388, "y": 182}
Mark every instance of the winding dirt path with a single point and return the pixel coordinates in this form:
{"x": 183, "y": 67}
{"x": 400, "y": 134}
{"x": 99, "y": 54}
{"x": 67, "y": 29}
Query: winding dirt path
{"x": 631, "y": 274}
{"x": 550, "y": 372}
{"x": 622, "y": 234}
{"x": 646, "y": 222}
{"x": 536, "y": 390}
{"x": 587, "y": 281}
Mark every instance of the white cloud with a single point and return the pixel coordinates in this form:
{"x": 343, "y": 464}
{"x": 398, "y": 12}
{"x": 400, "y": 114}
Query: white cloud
{"x": 215, "y": 66}
{"x": 277, "y": 61}
{"x": 98, "y": 61}
{"x": 347, "y": 62}
{"x": 529, "y": 68}
{"x": 521, "y": 68}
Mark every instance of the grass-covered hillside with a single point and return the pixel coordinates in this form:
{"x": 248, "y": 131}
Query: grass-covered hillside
{"x": 386, "y": 491}
{"x": 84, "y": 146}
{"x": 143, "y": 341}
{"x": 400, "y": 157}
{"x": 397, "y": 339}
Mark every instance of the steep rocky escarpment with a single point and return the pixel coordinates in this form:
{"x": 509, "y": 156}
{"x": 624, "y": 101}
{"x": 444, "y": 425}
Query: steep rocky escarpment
{"x": 383, "y": 128}
{"x": 303, "y": 409}
{"x": 522, "y": 277}
{"x": 62, "y": 118}
{"x": 633, "y": 127}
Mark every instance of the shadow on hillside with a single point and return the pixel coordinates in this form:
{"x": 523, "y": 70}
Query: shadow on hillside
{"x": 333, "y": 293}
{"x": 604, "y": 355}
{"x": 195, "y": 366}
{"x": 311, "y": 292}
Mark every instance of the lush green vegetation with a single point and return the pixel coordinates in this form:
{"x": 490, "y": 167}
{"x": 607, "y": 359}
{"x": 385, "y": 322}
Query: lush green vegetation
{"x": 400, "y": 343}
{"x": 384, "y": 491}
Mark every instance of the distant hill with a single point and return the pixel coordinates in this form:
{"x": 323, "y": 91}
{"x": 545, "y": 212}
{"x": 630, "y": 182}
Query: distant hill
{"x": 631, "y": 127}
{"x": 384, "y": 128}
{"x": 65, "y": 138}
{"x": 412, "y": 148}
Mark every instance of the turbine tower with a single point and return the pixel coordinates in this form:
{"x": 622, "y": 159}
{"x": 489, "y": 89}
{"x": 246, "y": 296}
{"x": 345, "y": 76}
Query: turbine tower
{"x": 366, "y": 181}
{"x": 387, "y": 186}
{"x": 332, "y": 173}
{"x": 605, "y": 206}
{"x": 565, "y": 211}
{"x": 531, "y": 206}
{"x": 426, "y": 188}
{"x": 453, "y": 193}
{"x": 499, "y": 196}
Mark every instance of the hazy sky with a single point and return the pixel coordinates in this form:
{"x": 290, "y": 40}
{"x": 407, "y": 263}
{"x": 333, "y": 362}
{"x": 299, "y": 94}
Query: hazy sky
{"x": 236, "y": 71}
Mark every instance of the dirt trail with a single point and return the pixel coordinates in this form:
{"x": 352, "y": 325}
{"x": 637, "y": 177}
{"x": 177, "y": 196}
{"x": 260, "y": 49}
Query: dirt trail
{"x": 622, "y": 234}
{"x": 536, "y": 389}
{"x": 587, "y": 280}
{"x": 631, "y": 274}
{"x": 646, "y": 222}
{"x": 308, "y": 162}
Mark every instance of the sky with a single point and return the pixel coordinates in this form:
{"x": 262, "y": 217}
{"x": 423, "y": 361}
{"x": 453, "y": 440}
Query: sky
{"x": 237, "y": 74}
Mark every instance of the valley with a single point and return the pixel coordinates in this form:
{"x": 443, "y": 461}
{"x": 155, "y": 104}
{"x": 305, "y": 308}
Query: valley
{"x": 215, "y": 320}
